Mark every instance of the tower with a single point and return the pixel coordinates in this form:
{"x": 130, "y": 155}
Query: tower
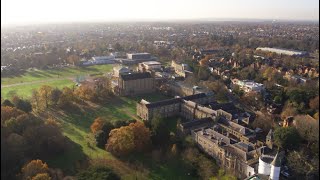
{"x": 269, "y": 139}
{"x": 275, "y": 168}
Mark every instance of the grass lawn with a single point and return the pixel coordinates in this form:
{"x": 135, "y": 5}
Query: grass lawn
{"x": 38, "y": 75}
{"x": 76, "y": 126}
{"x": 25, "y": 91}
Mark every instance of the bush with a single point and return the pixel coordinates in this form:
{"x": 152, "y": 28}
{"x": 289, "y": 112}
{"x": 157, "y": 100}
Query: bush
{"x": 97, "y": 173}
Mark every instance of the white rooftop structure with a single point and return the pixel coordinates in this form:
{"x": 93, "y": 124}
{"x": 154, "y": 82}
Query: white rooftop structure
{"x": 283, "y": 51}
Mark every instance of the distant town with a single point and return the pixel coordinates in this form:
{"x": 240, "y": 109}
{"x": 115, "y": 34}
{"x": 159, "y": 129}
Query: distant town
{"x": 161, "y": 100}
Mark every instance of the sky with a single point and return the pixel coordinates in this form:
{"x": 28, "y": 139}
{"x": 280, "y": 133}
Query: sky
{"x": 48, "y": 11}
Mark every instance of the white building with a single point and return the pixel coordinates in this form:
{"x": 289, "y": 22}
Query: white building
{"x": 270, "y": 166}
{"x": 138, "y": 56}
{"x": 248, "y": 86}
{"x": 149, "y": 65}
{"x": 103, "y": 60}
{"x": 283, "y": 51}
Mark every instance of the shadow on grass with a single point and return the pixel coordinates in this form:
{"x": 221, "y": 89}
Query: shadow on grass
{"x": 71, "y": 160}
{"x": 171, "y": 168}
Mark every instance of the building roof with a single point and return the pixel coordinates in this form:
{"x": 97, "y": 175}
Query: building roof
{"x": 276, "y": 161}
{"x": 194, "y": 96}
{"x": 163, "y": 103}
{"x": 270, "y": 134}
{"x": 196, "y": 123}
{"x": 175, "y": 100}
{"x": 151, "y": 63}
{"x": 135, "y": 76}
{"x": 224, "y": 106}
{"x": 258, "y": 177}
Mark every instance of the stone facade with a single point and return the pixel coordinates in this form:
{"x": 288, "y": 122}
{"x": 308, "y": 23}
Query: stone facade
{"x": 176, "y": 106}
{"x": 135, "y": 83}
{"x": 229, "y": 151}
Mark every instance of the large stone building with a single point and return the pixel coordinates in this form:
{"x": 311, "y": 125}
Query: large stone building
{"x": 233, "y": 146}
{"x": 177, "y": 106}
{"x": 130, "y": 84}
{"x": 181, "y": 69}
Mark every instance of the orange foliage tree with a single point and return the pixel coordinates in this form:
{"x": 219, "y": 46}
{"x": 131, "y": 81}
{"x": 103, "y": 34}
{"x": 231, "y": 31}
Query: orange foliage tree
{"x": 8, "y": 112}
{"x": 33, "y": 168}
{"x": 124, "y": 140}
{"x": 97, "y": 125}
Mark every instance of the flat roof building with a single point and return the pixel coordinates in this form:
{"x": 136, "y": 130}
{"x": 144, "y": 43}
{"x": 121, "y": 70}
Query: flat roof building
{"x": 283, "y": 51}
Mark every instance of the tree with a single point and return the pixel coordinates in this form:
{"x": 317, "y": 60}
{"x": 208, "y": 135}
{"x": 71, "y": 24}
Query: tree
{"x": 314, "y": 103}
{"x": 160, "y": 131}
{"x": 142, "y": 136}
{"x": 85, "y": 92}
{"x": 73, "y": 59}
{"x": 308, "y": 129}
{"x": 121, "y": 141}
{"x": 35, "y": 100}
{"x": 101, "y": 138}
{"x": 41, "y": 176}
{"x": 127, "y": 139}
{"x": 7, "y": 103}
{"x": 286, "y": 137}
{"x": 22, "y": 104}
{"x": 288, "y": 111}
{"x": 66, "y": 98}
{"x": 55, "y": 96}
{"x": 298, "y": 162}
{"x": 45, "y": 92}
{"x": 9, "y": 112}
{"x": 33, "y": 168}
{"x": 223, "y": 176}
{"x": 97, "y": 173}
{"x": 97, "y": 125}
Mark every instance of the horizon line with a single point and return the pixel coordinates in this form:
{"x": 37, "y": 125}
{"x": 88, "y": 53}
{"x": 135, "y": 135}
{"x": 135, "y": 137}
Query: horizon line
{"x": 158, "y": 20}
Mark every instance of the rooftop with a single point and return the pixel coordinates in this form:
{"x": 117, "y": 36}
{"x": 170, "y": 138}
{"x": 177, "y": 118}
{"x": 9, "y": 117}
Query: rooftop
{"x": 135, "y": 76}
{"x": 151, "y": 63}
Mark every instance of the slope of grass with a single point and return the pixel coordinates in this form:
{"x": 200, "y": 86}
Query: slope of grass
{"x": 76, "y": 126}
{"x": 38, "y": 75}
{"x": 25, "y": 91}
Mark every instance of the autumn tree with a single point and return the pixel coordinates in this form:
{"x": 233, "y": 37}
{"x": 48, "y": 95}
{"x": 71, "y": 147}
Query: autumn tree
{"x": 142, "y": 136}
{"x": 33, "y": 168}
{"x": 73, "y": 59}
{"x": 41, "y": 176}
{"x": 66, "y": 97}
{"x": 308, "y": 129}
{"x": 126, "y": 139}
{"x": 288, "y": 111}
{"x": 121, "y": 141}
{"x": 102, "y": 88}
{"x": 45, "y": 92}
{"x": 314, "y": 103}
{"x": 9, "y": 112}
{"x": 85, "y": 92}
{"x": 35, "y": 100}
{"x": 97, "y": 125}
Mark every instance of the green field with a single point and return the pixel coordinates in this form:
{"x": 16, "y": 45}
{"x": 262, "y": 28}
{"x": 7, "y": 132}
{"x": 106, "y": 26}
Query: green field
{"x": 34, "y": 79}
{"x": 25, "y": 91}
{"x": 38, "y": 75}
